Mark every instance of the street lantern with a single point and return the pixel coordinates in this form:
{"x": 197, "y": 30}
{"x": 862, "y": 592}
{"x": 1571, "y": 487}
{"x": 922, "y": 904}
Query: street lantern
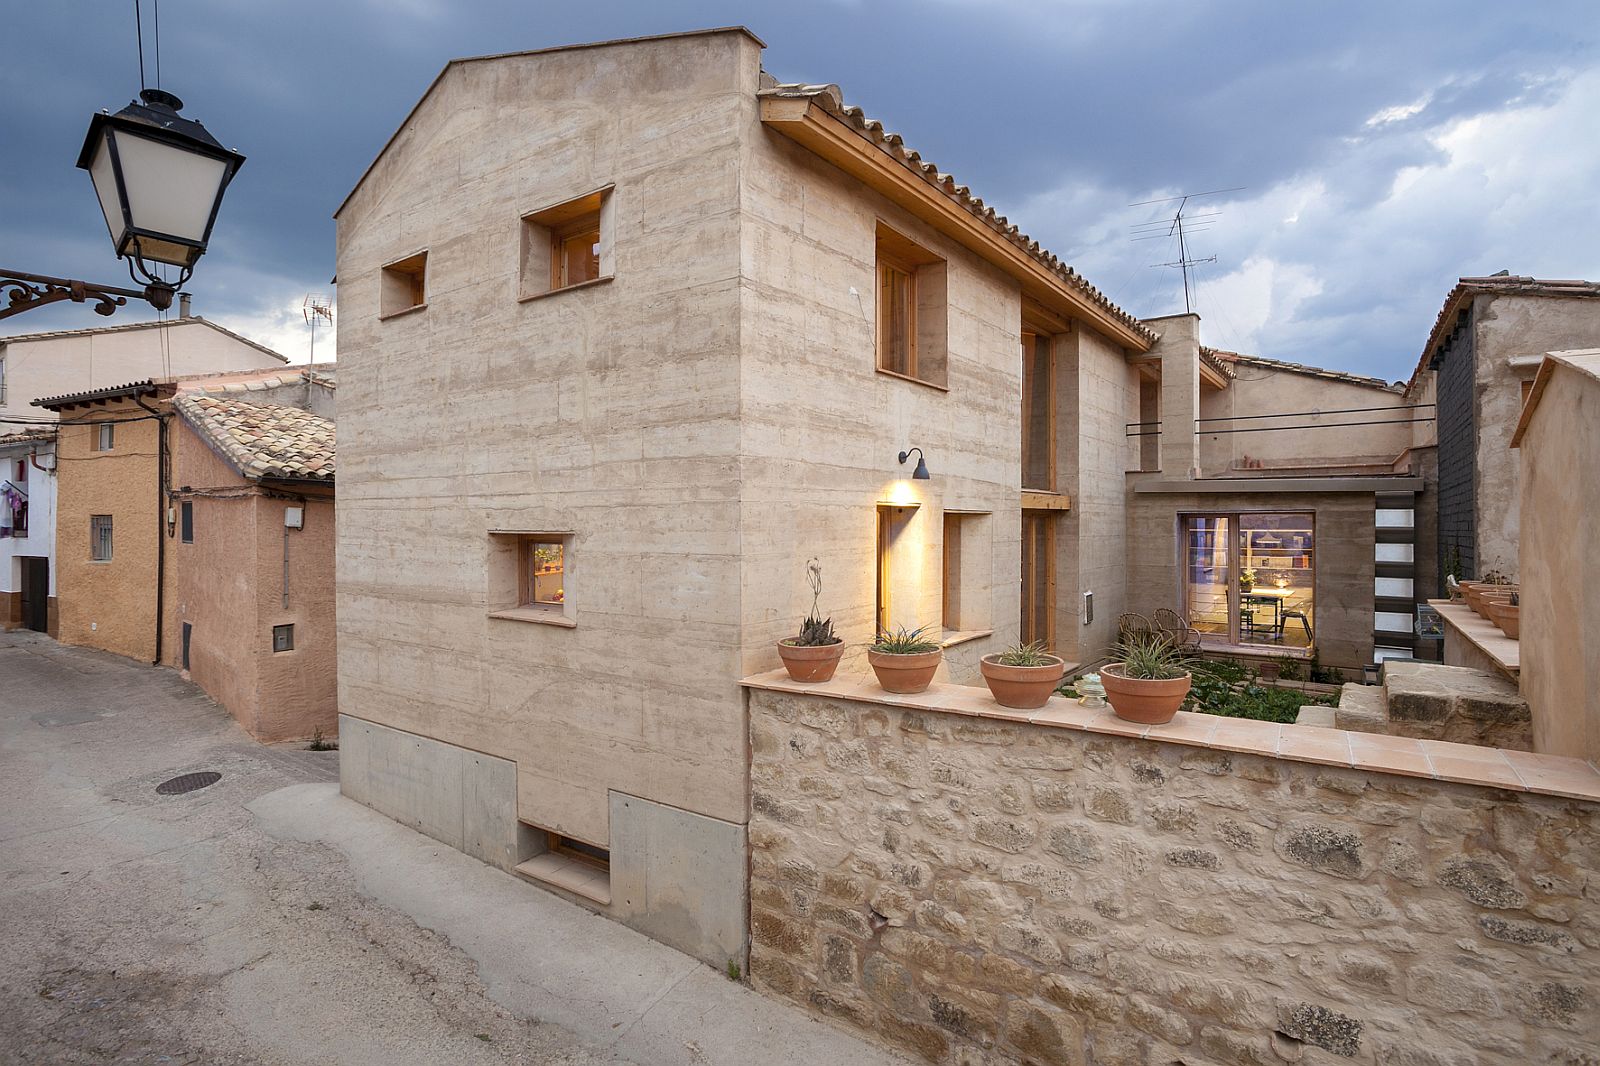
{"x": 160, "y": 179}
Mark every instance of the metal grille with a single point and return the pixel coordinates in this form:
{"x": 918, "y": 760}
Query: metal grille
{"x": 100, "y": 537}
{"x": 188, "y": 783}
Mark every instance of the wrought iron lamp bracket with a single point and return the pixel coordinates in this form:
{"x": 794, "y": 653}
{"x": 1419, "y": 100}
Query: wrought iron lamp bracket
{"x": 27, "y": 291}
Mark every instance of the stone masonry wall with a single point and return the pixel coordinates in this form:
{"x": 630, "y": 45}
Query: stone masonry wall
{"x": 982, "y": 891}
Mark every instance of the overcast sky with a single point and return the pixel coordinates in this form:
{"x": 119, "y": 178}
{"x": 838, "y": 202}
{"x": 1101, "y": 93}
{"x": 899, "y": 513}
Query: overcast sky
{"x": 1385, "y": 148}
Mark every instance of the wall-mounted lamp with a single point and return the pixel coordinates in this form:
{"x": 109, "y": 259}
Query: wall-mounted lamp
{"x": 921, "y": 472}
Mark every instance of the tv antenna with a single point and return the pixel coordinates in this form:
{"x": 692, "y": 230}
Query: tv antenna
{"x": 1180, "y": 225}
{"x": 318, "y": 307}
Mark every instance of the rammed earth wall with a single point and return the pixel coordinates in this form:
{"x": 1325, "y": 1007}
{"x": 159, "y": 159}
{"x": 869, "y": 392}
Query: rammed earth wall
{"x": 990, "y": 891}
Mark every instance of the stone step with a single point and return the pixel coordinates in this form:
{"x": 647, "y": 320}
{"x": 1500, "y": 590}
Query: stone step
{"x": 1361, "y": 708}
{"x": 1317, "y": 714}
{"x": 1430, "y": 692}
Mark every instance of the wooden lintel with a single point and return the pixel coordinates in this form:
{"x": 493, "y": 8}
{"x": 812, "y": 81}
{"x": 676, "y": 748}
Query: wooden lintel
{"x": 1046, "y": 501}
{"x": 810, "y": 125}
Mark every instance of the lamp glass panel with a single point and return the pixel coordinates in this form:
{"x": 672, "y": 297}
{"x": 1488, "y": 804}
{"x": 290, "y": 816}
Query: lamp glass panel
{"x": 104, "y": 177}
{"x": 170, "y": 190}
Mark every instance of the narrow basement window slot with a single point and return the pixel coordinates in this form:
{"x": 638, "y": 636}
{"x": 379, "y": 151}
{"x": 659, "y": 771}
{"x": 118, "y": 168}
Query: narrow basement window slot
{"x": 571, "y": 865}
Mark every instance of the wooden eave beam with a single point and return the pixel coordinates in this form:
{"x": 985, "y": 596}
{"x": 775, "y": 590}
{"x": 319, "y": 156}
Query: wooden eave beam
{"x": 1209, "y": 375}
{"x": 813, "y": 127}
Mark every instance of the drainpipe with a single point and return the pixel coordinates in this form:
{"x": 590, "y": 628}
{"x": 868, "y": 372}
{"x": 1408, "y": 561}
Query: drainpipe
{"x": 161, "y": 521}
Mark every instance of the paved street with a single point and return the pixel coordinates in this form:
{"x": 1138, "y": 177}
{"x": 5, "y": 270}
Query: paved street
{"x": 265, "y": 919}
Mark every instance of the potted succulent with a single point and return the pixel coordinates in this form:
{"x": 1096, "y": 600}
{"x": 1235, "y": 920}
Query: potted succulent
{"x": 905, "y": 660}
{"x": 1022, "y": 676}
{"x": 812, "y": 654}
{"x": 1150, "y": 682}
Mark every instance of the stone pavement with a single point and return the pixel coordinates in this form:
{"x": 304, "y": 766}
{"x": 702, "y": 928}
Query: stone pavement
{"x": 265, "y": 919}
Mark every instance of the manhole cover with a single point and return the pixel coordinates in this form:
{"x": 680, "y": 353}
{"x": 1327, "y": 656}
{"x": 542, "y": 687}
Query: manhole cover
{"x": 188, "y": 783}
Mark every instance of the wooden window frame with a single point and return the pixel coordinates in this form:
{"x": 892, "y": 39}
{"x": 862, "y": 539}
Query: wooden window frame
{"x": 1049, "y": 363}
{"x": 1234, "y": 637}
{"x": 950, "y": 573}
{"x": 884, "y": 571}
{"x": 890, "y": 264}
{"x": 527, "y": 599}
{"x": 105, "y": 437}
{"x": 578, "y": 850}
{"x": 1046, "y": 519}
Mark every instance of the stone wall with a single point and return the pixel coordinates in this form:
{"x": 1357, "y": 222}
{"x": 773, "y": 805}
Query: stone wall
{"x": 989, "y": 891}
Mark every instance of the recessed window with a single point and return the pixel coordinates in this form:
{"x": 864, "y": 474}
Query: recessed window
{"x": 566, "y": 245}
{"x": 404, "y": 285}
{"x": 966, "y": 559}
{"x": 913, "y": 319}
{"x": 100, "y": 538}
{"x": 530, "y": 576}
{"x": 283, "y": 638}
{"x": 183, "y": 654}
{"x": 105, "y": 437}
{"x": 186, "y": 521}
{"x": 573, "y": 865}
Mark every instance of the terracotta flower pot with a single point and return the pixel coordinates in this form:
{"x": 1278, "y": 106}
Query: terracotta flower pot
{"x": 1507, "y": 617}
{"x": 1148, "y": 702}
{"x": 813, "y": 663}
{"x": 905, "y": 674}
{"x": 1022, "y": 687}
{"x": 1487, "y": 601}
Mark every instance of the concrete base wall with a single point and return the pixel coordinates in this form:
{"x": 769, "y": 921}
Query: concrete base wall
{"x": 677, "y": 876}
{"x": 680, "y": 877}
{"x": 458, "y": 797}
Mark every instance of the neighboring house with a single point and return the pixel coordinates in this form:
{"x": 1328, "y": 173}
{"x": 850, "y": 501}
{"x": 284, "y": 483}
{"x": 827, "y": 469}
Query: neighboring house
{"x": 1558, "y": 438}
{"x": 128, "y": 578}
{"x": 252, "y": 616}
{"x": 35, "y": 365}
{"x": 28, "y": 530}
{"x": 1478, "y": 365}
{"x": 629, "y": 332}
{"x": 1276, "y": 504}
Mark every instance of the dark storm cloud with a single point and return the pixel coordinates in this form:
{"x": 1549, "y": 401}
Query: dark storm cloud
{"x": 1365, "y": 133}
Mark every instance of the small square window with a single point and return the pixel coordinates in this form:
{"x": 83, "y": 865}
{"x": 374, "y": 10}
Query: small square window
{"x": 105, "y": 437}
{"x": 404, "y": 285}
{"x": 186, "y": 521}
{"x": 530, "y": 576}
{"x": 566, "y": 245}
{"x": 283, "y": 638}
{"x": 967, "y": 556}
{"x": 100, "y": 538}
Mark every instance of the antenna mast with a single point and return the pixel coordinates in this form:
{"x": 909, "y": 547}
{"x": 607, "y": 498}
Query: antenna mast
{"x": 1180, "y": 225}
{"x": 317, "y": 307}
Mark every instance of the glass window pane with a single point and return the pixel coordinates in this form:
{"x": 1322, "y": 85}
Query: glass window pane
{"x": 1276, "y": 579}
{"x": 546, "y": 572}
{"x": 1206, "y": 574}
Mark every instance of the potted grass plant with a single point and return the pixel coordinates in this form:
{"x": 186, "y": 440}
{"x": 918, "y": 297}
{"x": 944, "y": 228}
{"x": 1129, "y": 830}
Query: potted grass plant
{"x": 812, "y": 654}
{"x": 905, "y": 660}
{"x": 1149, "y": 681}
{"x": 1022, "y": 676}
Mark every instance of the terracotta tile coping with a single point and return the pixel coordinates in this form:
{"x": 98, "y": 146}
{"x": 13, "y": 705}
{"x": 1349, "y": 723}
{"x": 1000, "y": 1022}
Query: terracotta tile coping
{"x": 1467, "y": 764}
